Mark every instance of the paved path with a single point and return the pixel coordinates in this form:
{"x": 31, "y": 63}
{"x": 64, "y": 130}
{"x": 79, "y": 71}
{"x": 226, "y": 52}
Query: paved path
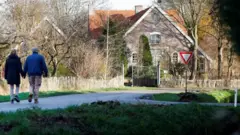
{"x": 78, "y": 99}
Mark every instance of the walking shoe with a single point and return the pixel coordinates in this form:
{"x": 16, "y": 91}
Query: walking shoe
{"x": 35, "y": 101}
{"x": 30, "y": 98}
{"x": 17, "y": 99}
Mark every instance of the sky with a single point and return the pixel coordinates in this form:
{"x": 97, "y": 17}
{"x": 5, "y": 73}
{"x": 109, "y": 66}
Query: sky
{"x": 124, "y": 4}
{"x": 128, "y": 4}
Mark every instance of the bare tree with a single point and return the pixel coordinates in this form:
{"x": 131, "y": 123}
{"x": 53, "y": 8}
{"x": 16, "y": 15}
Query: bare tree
{"x": 216, "y": 30}
{"x": 87, "y": 61}
{"x": 68, "y": 25}
{"x": 57, "y": 27}
{"x": 191, "y": 12}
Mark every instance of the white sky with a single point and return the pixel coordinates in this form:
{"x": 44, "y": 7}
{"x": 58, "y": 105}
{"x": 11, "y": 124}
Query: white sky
{"x": 128, "y": 4}
{"x": 124, "y": 4}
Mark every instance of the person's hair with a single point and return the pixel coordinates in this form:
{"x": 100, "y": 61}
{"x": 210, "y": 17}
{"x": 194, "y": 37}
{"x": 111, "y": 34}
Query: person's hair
{"x": 13, "y": 52}
{"x": 35, "y": 50}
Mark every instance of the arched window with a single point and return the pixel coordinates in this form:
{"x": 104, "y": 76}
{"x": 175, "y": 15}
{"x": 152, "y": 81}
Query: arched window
{"x": 155, "y": 38}
{"x": 175, "y": 57}
{"x": 134, "y": 58}
{"x": 201, "y": 63}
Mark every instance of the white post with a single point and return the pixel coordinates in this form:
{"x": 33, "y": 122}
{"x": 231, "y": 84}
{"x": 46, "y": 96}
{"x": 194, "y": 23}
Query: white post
{"x": 132, "y": 76}
{"x": 236, "y": 96}
{"x": 158, "y": 74}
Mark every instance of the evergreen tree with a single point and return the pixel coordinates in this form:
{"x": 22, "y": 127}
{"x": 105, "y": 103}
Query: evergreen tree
{"x": 147, "y": 56}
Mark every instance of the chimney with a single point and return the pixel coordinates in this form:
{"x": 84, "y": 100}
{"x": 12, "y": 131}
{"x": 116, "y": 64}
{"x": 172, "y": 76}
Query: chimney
{"x": 138, "y": 8}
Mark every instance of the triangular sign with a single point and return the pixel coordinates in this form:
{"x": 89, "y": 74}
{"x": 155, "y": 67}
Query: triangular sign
{"x": 186, "y": 56}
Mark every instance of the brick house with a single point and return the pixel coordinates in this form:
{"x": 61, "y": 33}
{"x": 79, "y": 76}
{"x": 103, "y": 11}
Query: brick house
{"x": 167, "y": 37}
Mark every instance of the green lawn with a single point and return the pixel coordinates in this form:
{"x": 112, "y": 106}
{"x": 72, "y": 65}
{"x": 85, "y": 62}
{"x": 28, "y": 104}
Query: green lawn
{"x": 116, "y": 119}
{"x": 217, "y": 96}
{"x": 24, "y": 95}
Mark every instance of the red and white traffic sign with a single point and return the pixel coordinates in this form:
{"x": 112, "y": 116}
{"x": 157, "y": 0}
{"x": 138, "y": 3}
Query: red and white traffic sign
{"x": 186, "y": 56}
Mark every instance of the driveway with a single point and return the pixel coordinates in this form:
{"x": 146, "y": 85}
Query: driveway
{"x": 131, "y": 97}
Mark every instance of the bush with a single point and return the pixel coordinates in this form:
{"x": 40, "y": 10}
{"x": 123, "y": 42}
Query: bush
{"x": 177, "y": 69}
{"x": 149, "y": 72}
{"x": 61, "y": 71}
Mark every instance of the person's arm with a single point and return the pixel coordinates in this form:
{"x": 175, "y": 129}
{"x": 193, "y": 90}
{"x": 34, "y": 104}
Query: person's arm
{"x": 6, "y": 69}
{"x": 44, "y": 67}
{"x": 20, "y": 68}
{"x": 26, "y": 66}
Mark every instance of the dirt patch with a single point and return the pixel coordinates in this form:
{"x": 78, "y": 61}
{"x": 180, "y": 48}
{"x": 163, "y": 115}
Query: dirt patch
{"x": 110, "y": 104}
{"x": 188, "y": 97}
{"x": 147, "y": 97}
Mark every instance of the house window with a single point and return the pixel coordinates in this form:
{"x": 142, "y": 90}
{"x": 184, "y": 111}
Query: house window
{"x": 155, "y": 38}
{"x": 175, "y": 57}
{"x": 134, "y": 58}
{"x": 201, "y": 64}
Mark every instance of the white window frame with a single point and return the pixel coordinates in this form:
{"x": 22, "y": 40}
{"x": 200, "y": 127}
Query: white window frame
{"x": 175, "y": 60}
{"x": 201, "y": 63}
{"x": 134, "y": 58}
{"x": 154, "y": 39}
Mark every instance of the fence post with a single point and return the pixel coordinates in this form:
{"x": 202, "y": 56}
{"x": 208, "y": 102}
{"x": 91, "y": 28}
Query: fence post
{"x": 158, "y": 74}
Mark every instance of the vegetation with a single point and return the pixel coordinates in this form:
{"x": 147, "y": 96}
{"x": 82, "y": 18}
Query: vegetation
{"x": 217, "y": 96}
{"x": 193, "y": 12}
{"x": 177, "y": 69}
{"x": 62, "y": 71}
{"x": 147, "y": 56}
{"x": 229, "y": 13}
{"x": 108, "y": 118}
{"x": 116, "y": 46}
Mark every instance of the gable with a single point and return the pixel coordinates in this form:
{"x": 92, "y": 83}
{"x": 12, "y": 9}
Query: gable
{"x": 155, "y": 22}
{"x": 173, "y": 21}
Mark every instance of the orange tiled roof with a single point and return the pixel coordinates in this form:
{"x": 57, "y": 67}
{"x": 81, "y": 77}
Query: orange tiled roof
{"x": 97, "y": 20}
{"x": 174, "y": 15}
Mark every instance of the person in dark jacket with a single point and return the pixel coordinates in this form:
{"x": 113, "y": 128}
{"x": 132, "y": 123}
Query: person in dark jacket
{"x": 13, "y": 70}
{"x": 35, "y": 67}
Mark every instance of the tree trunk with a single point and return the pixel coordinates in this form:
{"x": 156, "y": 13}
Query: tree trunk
{"x": 230, "y": 61}
{"x": 54, "y": 68}
{"x": 195, "y": 55}
{"x": 220, "y": 58}
{"x": 229, "y": 72}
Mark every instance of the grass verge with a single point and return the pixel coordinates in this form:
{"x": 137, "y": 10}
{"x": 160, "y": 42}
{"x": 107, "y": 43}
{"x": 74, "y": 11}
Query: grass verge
{"x": 115, "y": 119}
{"x": 216, "y": 96}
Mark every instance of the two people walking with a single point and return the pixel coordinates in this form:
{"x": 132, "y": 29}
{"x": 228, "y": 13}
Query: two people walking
{"x": 35, "y": 67}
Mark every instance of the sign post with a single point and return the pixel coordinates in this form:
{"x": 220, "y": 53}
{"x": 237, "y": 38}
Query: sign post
{"x": 235, "y": 98}
{"x": 186, "y": 57}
